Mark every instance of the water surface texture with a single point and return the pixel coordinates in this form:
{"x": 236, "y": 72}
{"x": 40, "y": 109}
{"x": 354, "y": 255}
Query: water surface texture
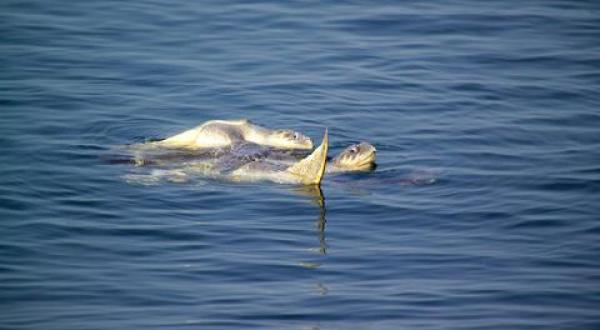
{"x": 482, "y": 214}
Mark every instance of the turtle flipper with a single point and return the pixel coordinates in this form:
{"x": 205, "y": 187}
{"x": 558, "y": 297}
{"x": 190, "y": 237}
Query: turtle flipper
{"x": 310, "y": 170}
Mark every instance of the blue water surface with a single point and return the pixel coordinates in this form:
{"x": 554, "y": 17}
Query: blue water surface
{"x": 495, "y": 104}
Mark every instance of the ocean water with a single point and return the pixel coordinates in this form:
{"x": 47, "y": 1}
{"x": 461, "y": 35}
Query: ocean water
{"x": 483, "y": 212}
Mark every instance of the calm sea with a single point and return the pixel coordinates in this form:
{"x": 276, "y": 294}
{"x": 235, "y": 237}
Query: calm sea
{"x": 499, "y": 100}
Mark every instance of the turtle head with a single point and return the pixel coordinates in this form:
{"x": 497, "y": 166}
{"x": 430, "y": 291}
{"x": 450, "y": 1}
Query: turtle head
{"x": 289, "y": 139}
{"x": 357, "y": 157}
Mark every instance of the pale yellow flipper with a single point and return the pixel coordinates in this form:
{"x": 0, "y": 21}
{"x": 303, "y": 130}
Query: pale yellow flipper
{"x": 310, "y": 170}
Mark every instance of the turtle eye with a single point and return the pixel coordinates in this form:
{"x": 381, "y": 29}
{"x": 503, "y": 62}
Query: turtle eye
{"x": 296, "y": 136}
{"x": 354, "y": 149}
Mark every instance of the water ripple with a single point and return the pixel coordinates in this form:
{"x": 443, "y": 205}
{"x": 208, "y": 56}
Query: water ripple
{"x": 482, "y": 212}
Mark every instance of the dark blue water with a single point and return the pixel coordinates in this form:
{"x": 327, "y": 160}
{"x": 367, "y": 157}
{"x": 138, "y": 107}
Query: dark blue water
{"x": 501, "y": 100}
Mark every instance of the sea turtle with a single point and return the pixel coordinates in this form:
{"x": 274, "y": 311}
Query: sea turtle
{"x": 252, "y": 162}
{"x": 239, "y": 162}
{"x": 269, "y": 164}
{"x": 355, "y": 158}
{"x": 221, "y": 133}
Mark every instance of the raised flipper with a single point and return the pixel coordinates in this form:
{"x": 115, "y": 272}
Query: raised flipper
{"x": 310, "y": 170}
